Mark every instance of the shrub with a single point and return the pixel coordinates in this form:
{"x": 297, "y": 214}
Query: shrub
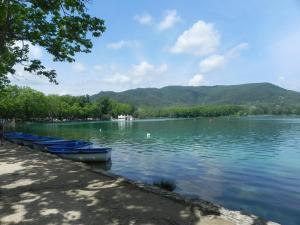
{"x": 165, "y": 184}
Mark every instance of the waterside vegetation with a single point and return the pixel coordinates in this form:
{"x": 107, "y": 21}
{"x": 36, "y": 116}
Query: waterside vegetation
{"x": 23, "y": 103}
{"x": 166, "y": 184}
{"x": 26, "y": 104}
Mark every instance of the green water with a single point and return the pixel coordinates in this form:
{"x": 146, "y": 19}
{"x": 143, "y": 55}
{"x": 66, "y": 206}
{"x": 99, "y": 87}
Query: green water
{"x": 250, "y": 163}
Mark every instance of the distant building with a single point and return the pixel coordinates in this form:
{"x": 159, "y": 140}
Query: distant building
{"x": 125, "y": 118}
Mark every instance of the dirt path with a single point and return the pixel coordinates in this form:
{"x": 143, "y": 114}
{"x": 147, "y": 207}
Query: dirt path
{"x": 39, "y": 188}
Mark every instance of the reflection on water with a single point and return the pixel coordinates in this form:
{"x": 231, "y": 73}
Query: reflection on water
{"x": 99, "y": 166}
{"x": 122, "y": 125}
{"x": 251, "y": 163}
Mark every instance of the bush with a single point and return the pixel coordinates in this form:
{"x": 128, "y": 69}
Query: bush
{"x": 165, "y": 184}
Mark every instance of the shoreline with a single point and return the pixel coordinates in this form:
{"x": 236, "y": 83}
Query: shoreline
{"x": 41, "y": 188}
{"x": 160, "y": 118}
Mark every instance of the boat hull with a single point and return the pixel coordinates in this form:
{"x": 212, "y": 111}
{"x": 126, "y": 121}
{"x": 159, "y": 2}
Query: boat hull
{"x": 18, "y": 141}
{"x": 10, "y": 135}
{"x": 30, "y": 141}
{"x": 88, "y": 157}
{"x": 69, "y": 149}
{"x": 27, "y": 143}
{"x": 39, "y": 147}
{"x": 100, "y": 166}
{"x": 43, "y": 146}
{"x": 22, "y": 139}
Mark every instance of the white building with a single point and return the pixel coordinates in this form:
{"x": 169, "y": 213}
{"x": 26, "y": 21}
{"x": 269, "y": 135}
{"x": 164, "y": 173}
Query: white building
{"x": 125, "y": 117}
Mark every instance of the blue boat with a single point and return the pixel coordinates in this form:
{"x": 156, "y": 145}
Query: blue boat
{"x": 83, "y": 154}
{"x": 42, "y": 145}
{"x": 69, "y": 149}
{"x": 19, "y": 138}
{"x": 10, "y": 135}
{"x": 28, "y": 141}
{"x": 24, "y": 139}
{"x": 68, "y": 144}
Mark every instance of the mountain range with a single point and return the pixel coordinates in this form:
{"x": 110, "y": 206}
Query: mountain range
{"x": 242, "y": 94}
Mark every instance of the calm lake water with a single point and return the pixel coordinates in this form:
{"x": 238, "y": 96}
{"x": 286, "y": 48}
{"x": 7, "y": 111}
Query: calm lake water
{"x": 250, "y": 163}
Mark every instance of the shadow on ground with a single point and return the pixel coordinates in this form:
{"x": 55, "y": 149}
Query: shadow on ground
{"x": 39, "y": 188}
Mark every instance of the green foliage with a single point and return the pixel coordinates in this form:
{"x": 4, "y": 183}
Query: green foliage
{"x": 245, "y": 94}
{"x": 190, "y": 112}
{"x": 28, "y": 104}
{"x": 62, "y": 27}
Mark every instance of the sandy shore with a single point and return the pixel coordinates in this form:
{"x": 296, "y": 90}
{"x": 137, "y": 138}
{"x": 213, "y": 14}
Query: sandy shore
{"x": 39, "y": 188}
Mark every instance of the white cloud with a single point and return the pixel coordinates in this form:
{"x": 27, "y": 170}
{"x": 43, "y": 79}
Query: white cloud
{"x": 197, "y": 80}
{"x": 234, "y": 52}
{"x": 170, "y": 20}
{"x": 35, "y": 51}
{"x": 123, "y": 44}
{"x": 117, "y": 78}
{"x": 215, "y": 62}
{"x": 162, "y": 68}
{"x": 142, "y": 68}
{"x": 201, "y": 39}
{"x": 139, "y": 74}
{"x": 25, "y": 78}
{"x": 145, "y": 73}
{"x": 144, "y": 19}
{"x": 78, "y": 67}
{"x": 212, "y": 63}
{"x": 20, "y": 72}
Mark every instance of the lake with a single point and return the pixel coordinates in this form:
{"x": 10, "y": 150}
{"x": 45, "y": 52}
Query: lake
{"x": 249, "y": 163}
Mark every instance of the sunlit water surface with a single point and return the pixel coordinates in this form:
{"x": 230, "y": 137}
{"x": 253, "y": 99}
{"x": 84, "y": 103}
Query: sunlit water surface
{"x": 250, "y": 163}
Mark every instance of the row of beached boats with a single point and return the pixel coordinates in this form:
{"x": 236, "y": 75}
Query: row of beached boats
{"x": 70, "y": 149}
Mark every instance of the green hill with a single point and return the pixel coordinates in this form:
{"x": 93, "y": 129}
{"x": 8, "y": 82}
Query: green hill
{"x": 243, "y": 94}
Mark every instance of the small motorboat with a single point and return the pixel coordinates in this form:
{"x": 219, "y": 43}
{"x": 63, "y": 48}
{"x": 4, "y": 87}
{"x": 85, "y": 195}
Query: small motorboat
{"x": 83, "y": 154}
{"x": 60, "y": 144}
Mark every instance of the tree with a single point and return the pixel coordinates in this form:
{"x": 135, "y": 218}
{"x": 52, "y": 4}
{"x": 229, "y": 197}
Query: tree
{"x": 62, "y": 27}
{"x": 105, "y": 105}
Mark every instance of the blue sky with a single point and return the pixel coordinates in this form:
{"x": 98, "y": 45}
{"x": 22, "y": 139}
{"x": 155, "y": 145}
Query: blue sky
{"x": 160, "y": 43}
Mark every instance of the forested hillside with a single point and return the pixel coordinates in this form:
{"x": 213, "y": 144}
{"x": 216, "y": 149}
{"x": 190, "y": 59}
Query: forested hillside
{"x": 24, "y": 103}
{"x": 244, "y": 94}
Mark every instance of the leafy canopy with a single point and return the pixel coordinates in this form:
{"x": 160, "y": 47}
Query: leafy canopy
{"x": 62, "y": 27}
{"x": 23, "y": 103}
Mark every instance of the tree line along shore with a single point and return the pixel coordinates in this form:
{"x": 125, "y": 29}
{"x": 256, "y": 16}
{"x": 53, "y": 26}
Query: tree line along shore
{"x": 26, "y": 104}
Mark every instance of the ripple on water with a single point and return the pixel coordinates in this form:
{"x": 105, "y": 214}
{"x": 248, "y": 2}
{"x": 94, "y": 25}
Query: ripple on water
{"x": 251, "y": 163}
